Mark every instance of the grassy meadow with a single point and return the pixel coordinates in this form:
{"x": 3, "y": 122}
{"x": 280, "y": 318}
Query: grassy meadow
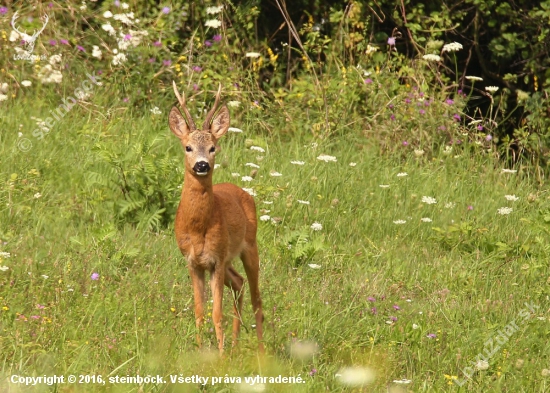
{"x": 396, "y": 244}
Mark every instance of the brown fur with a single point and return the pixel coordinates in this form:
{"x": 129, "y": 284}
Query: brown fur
{"x": 215, "y": 224}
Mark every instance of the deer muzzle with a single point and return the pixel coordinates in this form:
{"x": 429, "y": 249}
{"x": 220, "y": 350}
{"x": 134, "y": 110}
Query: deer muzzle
{"x": 201, "y": 168}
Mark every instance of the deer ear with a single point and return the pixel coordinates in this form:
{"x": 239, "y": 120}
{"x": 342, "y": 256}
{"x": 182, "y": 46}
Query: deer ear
{"x": 177, "y": 123}
{"x": 220, "y": 124}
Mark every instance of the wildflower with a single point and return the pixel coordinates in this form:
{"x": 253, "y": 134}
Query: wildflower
{"x": 326, "y": 158}
{"x": 3, "y": 10}
{"x": 64, "y": 42}
{"x": 491, "y": 89}
{"x": 214, "y": 10}
{"x": 313, "y": 372}
{"x": 450, "y": 205}
{"x": 504, "y": 170}
{"x": 368, "y": 81}
{"x": 157, "y": 43}
{"x": 396, "y": 307}
{"x": 119, "y": 59}
{"x": 431, "y": 335}
{"x": 426, "y": 219}
{"x": 109, "y": 29}
{"x": 428, "y": 200}
{"x": 314, "y": 265}
{"x": 297, "y": 162}
{"x": 402, "y": 381}
{"x": 303, "y": 202}
{"x": 207, "y": 43}
{"x": 545, "y": 372}
{"x": 430, "y": 57}
{"x": 257, "y": 148}
{"x": 37, "y": 195}
{"x": 371, "y": 49}
{"x": 124, "y": 6}
{"x": 384, "y": 186}
{"x": 456, "y": 116}
{"x": 235, "y": 174}
{"x": 355, "y": 376}
{"x": 233, "y": 104}
{"x": 405, "y": 143}
{"x": 265, "y": 218}
{"x": 402, "y": 174}
{"x": 448, "y": 101}
{"x": 4, "y": 268}
{"x": 511, "y": 197}
{"x": 246, "y": 178}
{"x": 214, "y": 23}
{"x": 4, "y": 254}
{"x": 216, "y": 38}
{"x": 107, "y": 14}
{"x": 253, "y": 54}
{"x": 371, "y": 299}
{"x": 422, "y": 111}
{"x": 250, "y": 191}
{"x": 55, "y": 59}
{"x": 503, "y": 211}
{"x": 399, "y": 222}
{"x": 275, "y": 174}
{"x": 167, "y": 63}
{"x": 95, "y": 276}
{"x": 482, "y": 365}
{"x": 52, "y": 42}
{"x": 452, "y": 47}
{"x": 252, "y": 165}
{"x": 156, "y": 111}
{"x": 316, "y": 226}
{"x": 418, "y": 152}
{"x": 474, "y": 78}
{"x": 26, "y": 83}
{"x": 268, "y": 202}
{"x": 391, "y": 41}
{"x": 470, "y": 207}
{"x": 415, "y": 326}
{"x": 196, "y": 68}
{"x": 166, "y": 10}
{"x": 96, "y": 52}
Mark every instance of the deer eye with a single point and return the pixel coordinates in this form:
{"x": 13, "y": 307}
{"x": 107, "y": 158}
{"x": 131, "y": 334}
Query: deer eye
{"x": 212, "y": 149}
{"x": 188, "y": 148}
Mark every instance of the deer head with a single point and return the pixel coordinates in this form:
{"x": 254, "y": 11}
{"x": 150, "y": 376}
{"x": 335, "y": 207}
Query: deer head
{"x": 200, "y": 145}
{"x": 29, "y": 40}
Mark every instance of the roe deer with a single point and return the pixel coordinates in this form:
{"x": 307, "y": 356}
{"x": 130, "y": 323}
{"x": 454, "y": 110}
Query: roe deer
{"x": 214, "y": 224}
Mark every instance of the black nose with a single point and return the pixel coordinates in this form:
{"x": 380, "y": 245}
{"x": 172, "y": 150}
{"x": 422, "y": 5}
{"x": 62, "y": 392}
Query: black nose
{"x": 201, "y": 166}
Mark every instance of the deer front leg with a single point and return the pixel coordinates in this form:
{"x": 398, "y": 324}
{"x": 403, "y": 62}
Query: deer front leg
{"x": 197, "y": 278}
{"x": 216, "y": 283}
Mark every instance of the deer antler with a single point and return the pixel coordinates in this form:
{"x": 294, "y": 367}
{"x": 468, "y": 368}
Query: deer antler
{"x": 181, "y": 100}
{"x": 210, "y": 114}
{"x": 33, "y": 37}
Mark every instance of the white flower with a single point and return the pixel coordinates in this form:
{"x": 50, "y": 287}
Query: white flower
{"x": 268, "y": 202}
{"x": 119, "y": 59}
{"x": 83, "y": 6}
{"x": 125, "y": 18}
{"x": 316, "y": 226}
{"x": 156, "y": 111}
{"x": 4, "y": 254}
{"x": 452, "y": 47}
{"x": 503, "y": 211}
{"x": 109, "y": 29}
{"x": 415, "y": 326}
{"x": 303, "y": 202}
{"x": 107, "y": 14}
{"x": 250, "y": 164}
{"x": 265, "y": 218}
{"x": 55, "y": 59}
{"x": 253, "y": 54}
{"x": 214, "y": 10}
{"x": 491, "y": 89}
{"x": 448, "y": 150}
{"x": 124, "y": 6}
{"x": 257, "y": 148}
{"x": 474, "y": 78}
{"x": 431, "y": 57}
{"x": 4, "y": 268}
{"x": 3, "y": 97}
{"x": 234, "y": 129}
{"x": 504, "y": 170}
{"x": 402, "y": 381}
{"x": 428, "y": 200}
{"x": 418, "y": 153}
{"x": 297, "y": 162}
{"x": 246, "y": 178}
{"x": 235, "y": 174}
{"x": 4, "y": 88}
{"x": 402, "y": 174}
{"x": 275, "y": 174}
{"x": 314, "y": 265}
{"x": 37, "y": 195}
{"x": 371, "y": 49}
{"x": 352, "y": 164}
{"x": 233, "y": 104}
{"x": 14, "y": 36}
{"x": 326, "y": 158}
{"x": 450, "y": 205}
{"x": 26, "y": 83}
{"x": 48, "y": 75}
{"x": 511, "y": 197}
{"x": 96, "y": 52}
{"x": 426, "y": 219}
{"x": 399, "y": 222}
{"x": 384, "y": 186}
{"x": 214, "y": 23}
{"x": 123, "y": 44}
{"x": 355, "y": 376}
{"x": 216, "y": 166}
{"x": 482, "y": 365}
{"x": 45, "y": 277}
{"x": 250, "y": 191}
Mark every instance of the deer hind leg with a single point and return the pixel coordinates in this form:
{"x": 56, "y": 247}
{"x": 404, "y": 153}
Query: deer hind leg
{"x": 235, "y": 282}
{"x": 251, "y": 262}
{"x": 217, "y": 278}
{"x": 197, "y": 278}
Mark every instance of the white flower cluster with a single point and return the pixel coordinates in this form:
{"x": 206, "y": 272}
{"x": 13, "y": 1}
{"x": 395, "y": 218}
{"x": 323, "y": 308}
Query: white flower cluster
{"x": 452, "y": 47}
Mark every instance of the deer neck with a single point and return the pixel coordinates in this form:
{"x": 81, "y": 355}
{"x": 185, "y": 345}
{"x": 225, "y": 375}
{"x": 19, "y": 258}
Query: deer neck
{"x": 197, "y": 201}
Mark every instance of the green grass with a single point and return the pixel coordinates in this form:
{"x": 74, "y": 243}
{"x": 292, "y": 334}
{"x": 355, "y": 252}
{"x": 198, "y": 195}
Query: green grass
{"x": 461, "y": 277}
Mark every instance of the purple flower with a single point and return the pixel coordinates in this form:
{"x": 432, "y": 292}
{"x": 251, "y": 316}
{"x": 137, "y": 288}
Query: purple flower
{"x": 374, "y": 310}
{"x": 391, "y": 106}
{"x": 127, "y": 37}
{"x": 50, "y": 5}
{"x": 40, "y": 307}
{"x": 407, "y": 101}
{"x": 431, "y": 335}
{"x": 95, "y": 276}
{"x": 35, "y": 317}
{"x": 405, "y": 143}
{"x": 167, "y": 62}
{"x": 394, "y": 319}
{"x": 480, "y": 127}
{"x": 3, "y": 10}
{"x": 456, "y": 116}
{"x": 117, "y": 3}
{"x": 195, "y": 87}
{"x": 488, "y": 138}
{"x": 470, "y": 207}
{"x": 196, "y": 69}
{"x": 422, "y": 111}
{"x": 392, "y": 117}
{"x": 371, "y": 299}
{"x": 80, "y": 48}
{"x": 99, "y": 72}
{"x": 368, "y": 81}
{"x": 448, "y": 101}
{"x": 151, "y": 60}
{"x": 125, "y": 99}
{"x": 391, "y": 41}
{"x": 421, "y": 94}
{"x": 217, "y": 38}
{"x": 64, "y": 42}
{"x": 442, "y": 128}
{"x": 427, "y": 103}
{"x": 207, "y": 43}
{"x": 396, "y": 307}
{"x": 53, "y": 42}
{"x": 157, "y": 43}
{"x": 166, "y": 10}
{"x": 313, "y": 372}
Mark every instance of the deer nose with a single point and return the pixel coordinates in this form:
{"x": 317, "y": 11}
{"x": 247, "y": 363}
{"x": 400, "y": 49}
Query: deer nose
{"x": 201, "y": 167}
